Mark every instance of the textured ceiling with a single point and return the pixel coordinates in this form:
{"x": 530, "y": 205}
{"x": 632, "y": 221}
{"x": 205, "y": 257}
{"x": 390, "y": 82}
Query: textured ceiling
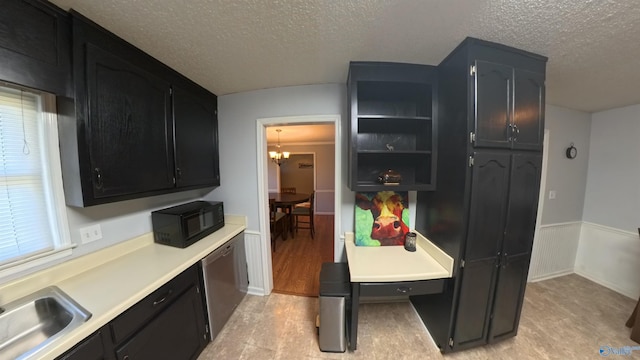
{"x": 231, "y": 46}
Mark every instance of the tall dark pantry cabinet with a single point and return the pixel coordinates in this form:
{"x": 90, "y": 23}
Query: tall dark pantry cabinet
{"x": 483, "y": 213}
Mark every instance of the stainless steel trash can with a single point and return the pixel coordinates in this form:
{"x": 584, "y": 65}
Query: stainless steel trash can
{"x": 335, "y": 291}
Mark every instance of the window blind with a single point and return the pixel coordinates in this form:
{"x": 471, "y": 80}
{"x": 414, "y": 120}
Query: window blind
{"x": 25, "y": 228}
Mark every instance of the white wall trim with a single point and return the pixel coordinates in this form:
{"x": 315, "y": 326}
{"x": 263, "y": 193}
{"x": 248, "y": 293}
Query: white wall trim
{"x": 263, "y": 182}
{"x": 609, "y": 257}
{"x": 561, "y": 224}
{"x": 253, "y": 247}
{"x": 610, "y": 229}
{"x": 554, "y": 251}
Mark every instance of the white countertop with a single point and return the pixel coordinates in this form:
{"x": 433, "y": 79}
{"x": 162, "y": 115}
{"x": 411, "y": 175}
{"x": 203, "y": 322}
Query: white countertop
{"x": 109, "y": 281}
{"x": 394, "y": 263}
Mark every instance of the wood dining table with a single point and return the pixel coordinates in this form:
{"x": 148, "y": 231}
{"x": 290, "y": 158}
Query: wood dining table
{"x": 287, "y": 201}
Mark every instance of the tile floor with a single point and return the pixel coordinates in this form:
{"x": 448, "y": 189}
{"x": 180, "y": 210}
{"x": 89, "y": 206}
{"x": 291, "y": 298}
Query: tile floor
{"x": 562, "y": 318}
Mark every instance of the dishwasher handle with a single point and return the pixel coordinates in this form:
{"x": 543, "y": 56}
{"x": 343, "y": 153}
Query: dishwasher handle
{"x": 220, "y": 252}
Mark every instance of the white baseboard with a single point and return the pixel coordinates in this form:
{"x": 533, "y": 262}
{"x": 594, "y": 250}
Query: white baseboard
{"x": 551, "y": 275}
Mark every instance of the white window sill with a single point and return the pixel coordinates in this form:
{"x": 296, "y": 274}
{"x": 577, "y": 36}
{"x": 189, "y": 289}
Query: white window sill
{"x": 35, "y": 261}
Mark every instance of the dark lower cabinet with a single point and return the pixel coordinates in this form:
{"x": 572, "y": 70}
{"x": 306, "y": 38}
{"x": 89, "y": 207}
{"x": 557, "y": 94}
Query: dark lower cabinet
{"x": 95, "y": 347}
{"x": 509, "y": 294}
{"x": 170, "y": 323}
{"x": 176, "y": 333}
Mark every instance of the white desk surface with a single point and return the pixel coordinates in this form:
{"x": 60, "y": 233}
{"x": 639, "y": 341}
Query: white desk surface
{"x": 394, "y": 263}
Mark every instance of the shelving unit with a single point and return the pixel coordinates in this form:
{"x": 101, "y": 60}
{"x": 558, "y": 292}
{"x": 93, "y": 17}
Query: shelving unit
{"x": 393, "y": 122}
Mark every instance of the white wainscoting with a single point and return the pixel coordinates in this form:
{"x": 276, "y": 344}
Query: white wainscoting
{"x": 255, "y": 266}
{"x": 610, "y": 257}
{"x": 554, "y": 250}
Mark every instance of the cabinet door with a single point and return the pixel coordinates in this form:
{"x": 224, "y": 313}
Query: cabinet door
{"x": 488, "y": 207}
{"x": 196, "y": 137}
{"x": 127, "y": 126}
{"x": 493, "y": 84}
{"x": 510, "y": 286}
{"x": 95, "y": 347}
{"x": 35, "y": 45}
{"x": 490, "y": 181}
{"x": 516, "y": 250}
{"x": 524, "y": 190}
{"x": 177, "y": 333}
{"x": 475, "y": 298}
{"x": 528, "y": 114}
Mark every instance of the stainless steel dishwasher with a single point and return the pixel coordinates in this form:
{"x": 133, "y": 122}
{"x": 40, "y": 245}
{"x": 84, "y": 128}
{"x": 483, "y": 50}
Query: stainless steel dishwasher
{"x": 225, "y": 281}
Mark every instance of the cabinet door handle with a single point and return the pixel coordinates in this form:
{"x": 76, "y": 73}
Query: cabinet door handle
{"x": 403, "y": 289}
{"x": 163, "y": 298}
{"x": 98, "y": 178}
{"x": 178, "y": 173}
{"x": 517, "y": 132}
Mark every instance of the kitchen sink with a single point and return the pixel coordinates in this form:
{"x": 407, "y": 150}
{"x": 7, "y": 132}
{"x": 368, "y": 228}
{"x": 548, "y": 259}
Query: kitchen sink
{"x": 28, "y": 325}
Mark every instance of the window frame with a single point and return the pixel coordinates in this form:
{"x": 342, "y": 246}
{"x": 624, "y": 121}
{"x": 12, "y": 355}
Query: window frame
{"x": 52, "y": 183}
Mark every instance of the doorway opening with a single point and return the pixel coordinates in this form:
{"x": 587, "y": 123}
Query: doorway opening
{"x": 294, "y": 266}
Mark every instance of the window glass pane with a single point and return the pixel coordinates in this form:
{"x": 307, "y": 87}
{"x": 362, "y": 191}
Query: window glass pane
{"x": 24, "y": 222}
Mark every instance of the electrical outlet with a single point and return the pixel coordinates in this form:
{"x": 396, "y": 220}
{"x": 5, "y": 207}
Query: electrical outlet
{"x": 552, "y": 194}
{"x": 91, "y": 233}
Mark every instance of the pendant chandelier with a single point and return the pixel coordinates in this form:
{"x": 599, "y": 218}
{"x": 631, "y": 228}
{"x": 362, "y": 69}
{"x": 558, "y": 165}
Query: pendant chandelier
{"x": 278, "y": 156}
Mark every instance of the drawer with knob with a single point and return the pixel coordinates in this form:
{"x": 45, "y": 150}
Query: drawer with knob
{"x": 401, "y": 288}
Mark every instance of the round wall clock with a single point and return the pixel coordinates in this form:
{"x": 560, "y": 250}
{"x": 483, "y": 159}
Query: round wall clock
{"x": 571, "y": 152}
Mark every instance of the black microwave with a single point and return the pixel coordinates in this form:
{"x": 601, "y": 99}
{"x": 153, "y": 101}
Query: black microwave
{"x": 183, "y": 225}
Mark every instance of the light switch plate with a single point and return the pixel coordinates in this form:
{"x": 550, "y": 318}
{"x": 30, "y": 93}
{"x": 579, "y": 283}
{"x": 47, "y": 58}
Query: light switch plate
{"x": 90, "y": 233}
{"x": 552, "y": 194}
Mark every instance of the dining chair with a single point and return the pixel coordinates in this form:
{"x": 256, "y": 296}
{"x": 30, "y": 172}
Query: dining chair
{"x": 278, "y": 224}
{"x": 298, "y": 212}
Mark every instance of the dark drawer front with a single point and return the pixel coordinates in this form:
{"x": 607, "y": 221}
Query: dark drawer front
{"x": 139, "y": 314}
{"x": 401, "y": 288}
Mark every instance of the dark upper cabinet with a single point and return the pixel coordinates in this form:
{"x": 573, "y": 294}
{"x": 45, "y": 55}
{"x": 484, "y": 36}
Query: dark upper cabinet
{"x": 393, "y": 125}
{"x": 528, "y": 110}
{"x": 196, "y": 136}
{"x": 493, "y": 84}
{"x": 134, "y": 127}
{"x": 128, "y": 126}
{"x": 508, "y": 104}
{"x": 35, "y": 45}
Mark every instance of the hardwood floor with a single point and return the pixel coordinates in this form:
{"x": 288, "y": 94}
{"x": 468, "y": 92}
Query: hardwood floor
{"x": 563, "y": 318}
{"x": 297, "y": 261}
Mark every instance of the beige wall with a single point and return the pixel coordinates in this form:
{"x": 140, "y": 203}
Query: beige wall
{"x": 324, "y": 167}
{"x": 293, "y": 175}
